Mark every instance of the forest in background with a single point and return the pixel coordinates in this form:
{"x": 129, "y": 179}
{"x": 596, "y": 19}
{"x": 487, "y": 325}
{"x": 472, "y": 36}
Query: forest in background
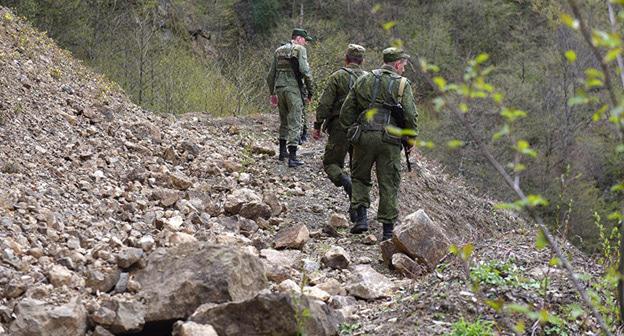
{"x": 176, "y": 56}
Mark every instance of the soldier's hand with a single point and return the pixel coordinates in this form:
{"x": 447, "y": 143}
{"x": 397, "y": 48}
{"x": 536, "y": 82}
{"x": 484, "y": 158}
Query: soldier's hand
{"x": 316, "y": 135}
{"x": 273, "y": 101}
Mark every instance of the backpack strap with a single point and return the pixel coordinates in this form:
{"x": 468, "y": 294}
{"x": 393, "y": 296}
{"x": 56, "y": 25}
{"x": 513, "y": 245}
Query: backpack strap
{"x": 352, "y": 76}
{"x": 402, "y": 85}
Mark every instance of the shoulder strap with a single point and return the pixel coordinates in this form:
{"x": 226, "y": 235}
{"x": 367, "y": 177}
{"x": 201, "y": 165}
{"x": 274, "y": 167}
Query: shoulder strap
{"x": 376, "y": 83}
{"x": 351, "y": 77}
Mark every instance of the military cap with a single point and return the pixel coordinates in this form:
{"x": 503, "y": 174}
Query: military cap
{"x": 355, "y": 50}
{"x": 393, "y": 54}
{"x": 301, "y": 32}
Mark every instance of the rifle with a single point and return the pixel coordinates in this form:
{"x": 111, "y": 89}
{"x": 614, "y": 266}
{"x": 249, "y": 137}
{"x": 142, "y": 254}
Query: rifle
{"x": 397, "y": 112}
{"x": 294, "y": 65}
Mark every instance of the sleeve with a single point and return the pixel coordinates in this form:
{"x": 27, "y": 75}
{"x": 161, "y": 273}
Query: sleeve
{"x": 271, "y": 76}
{"x": 348, "y": 110}
{"x": 409, "y": 107}
{"x": 304, "y": 69}
{"x": 326, "y": 102}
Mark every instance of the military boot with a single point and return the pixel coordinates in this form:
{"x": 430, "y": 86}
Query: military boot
{"x": 361, "y": 222}
{"x": 387, "y": 231}
{"x": 345, "y": 181}
{"x": 303, "y": 137}
{"x": 283, "y": 152}
{"x": 292, "y": 157}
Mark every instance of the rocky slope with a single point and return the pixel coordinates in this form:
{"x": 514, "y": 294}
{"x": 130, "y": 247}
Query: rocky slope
{"x": 117, "y": 221}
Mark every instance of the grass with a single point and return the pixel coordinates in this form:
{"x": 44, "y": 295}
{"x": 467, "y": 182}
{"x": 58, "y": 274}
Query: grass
{"x": 476, "y": 328}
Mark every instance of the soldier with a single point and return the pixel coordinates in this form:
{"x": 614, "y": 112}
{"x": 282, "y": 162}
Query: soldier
{"x": 338, "y": 86}
{"x": 289, "y": 71}
{"x": 368, "y": 112}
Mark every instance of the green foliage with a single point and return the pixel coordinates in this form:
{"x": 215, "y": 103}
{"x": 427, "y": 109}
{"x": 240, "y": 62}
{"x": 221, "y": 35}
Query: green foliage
{"x": 496, "y": 273}
{"x": 476, "y": 328}
{"x": 348, "y": 329}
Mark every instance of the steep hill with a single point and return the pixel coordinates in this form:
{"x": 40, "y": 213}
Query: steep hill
{"x": 96, "y": 192}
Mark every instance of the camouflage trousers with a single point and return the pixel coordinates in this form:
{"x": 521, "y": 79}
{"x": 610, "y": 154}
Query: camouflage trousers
{"x": 335, "y": 151}
{"x": 290, "y": 108}
{"x": 371, "y": 151}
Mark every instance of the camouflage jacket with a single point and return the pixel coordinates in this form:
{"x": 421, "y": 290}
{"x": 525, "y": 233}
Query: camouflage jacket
{"x": 359, "y": 98}
{"x": 281, "y": 71}
{"x": 338, "y": 85}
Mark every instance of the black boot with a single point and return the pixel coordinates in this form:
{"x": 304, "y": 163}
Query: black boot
{"x": 292, "y": 157}
{"x": 387, "y": 231}
{"x": 345, "y": 181}
{"x": 303, "y": 137}
{"x": 352, "y": 215}
{"x": 283, "y": 152}
{"x": 361, "y": 223}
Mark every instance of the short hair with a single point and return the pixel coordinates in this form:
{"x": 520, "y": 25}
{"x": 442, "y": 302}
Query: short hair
{"x": 354, "y": 59}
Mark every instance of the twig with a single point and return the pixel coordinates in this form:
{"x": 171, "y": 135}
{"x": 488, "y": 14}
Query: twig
{"x": 551, "y": 240}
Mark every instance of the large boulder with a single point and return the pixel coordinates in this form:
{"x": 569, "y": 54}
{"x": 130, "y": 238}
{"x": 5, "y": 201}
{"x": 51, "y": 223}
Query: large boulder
{"x": 368, "y": 284}
{"x": 37, "y": 318}
{"x": 270, "y": 314}
{"x": 421, "y": 239}
{"x": 178, "y": 280}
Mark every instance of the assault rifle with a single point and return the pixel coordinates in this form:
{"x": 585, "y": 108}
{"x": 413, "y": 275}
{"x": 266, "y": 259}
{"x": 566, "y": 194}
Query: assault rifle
{"x": 397, "y": 112}
{"x": 294, "y": 65}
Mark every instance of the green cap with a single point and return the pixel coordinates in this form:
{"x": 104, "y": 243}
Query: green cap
{"x": 355, "y": 50}
{"x": 394, "y": 54}
{"x": 301, "y": 32}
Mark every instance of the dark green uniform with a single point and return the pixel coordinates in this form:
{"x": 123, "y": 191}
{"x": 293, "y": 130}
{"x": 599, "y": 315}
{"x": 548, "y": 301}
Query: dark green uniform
{"x": 338, "y": 86}
{"x": 283, "y": 83}
{"x": 375, "y": 146}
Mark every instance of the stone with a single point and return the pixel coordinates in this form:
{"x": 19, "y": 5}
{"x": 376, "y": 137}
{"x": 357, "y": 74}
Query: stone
{"x": 129, "y": 316}
{"x": 338, "y": 221}
{"x": 129, "y": 256}
{"x": 248, "y": 227}
{"x": 316, "y": 293}
{"x": 174, "y": 223}
{"x": 146, "y": 243}
{"x": 336, "y": 258}
{"x": 342, "y": 301}
{"x": 333, "y": 287}
{"x": 269, "y": 314}
{"x": 37, "y": 318}
{"x": 273, "y": 202}
{"x": 234, "y": 202}
{"x": 255, "y": 210}
{"x": 104, "y": 316}
{"x": 122, "y": 284}
{"x": 289, "y": 286}
{"x": 60, "y": 276}
{"x": 178, "y": 238}
{"x": 369, "y": 239}
{"x": 388, "y": 249}
{"x": 180, "y": 181}
{"x": 179, "y": 279}
{"x": 101, "y": 331}
{"x": 293, "y": 237}
{"x": 368, "y": 284}
{"x": 421, "y": 239}
{"x": 286, "y": 258}
{"x": 166, "y": 197}
{"x": 407, "y": 266}
{"x": 102, "y": 279}
{"x": 193, "y": 329}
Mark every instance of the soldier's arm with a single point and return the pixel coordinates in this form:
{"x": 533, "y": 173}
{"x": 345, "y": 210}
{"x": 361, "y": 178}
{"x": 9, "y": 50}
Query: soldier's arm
{"x": 348, "y": 110}
{"x": 271, "y": 76}
{"x": 409, "y": 107}
{"x": 304, "y": 69}
{"x": 326, "y": 102}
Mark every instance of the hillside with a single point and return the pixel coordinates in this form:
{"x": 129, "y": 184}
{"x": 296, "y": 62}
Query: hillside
{"x": 117, "y": 220}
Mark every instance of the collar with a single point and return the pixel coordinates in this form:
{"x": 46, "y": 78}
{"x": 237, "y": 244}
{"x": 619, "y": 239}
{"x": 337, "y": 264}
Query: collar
{"x": 353, "y": 66}
{"x": 388, "y": 68}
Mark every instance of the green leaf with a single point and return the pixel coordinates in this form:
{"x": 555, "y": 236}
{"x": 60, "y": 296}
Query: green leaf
{"x": 482, "y": 58}
{"x": 424, "y": 144}
{"x": 466, "y": 251}
{"x": 601, "y": 111}
{"x": 503, "y": 132}
{"x": 522, "y": 146}
{"x": 540, "y": 241}
{"x": 620, "y": 148}
{"x": 617, "y": 2}
{"x": 612, "y": 55}
{"x": 570, "y": 55}
{"x": 440, "y": 82}
{"x": 536, "y": 200}
{"x": 508, "y": 206}
{"x": 8, "y": 17}
{"x": 497, "y": 304}
{"x": 512, "y": 114}
{"x": 520, "y": 328}
{"x": 376, "y": 8}
{"x": 389, "y": 25}
{"x": 593, "y": 83}
{"x": 593, "y": 73}
{"x": 575, "y": 312}
{"x": 519, "y": 167}
{"x": 370, "y": 114}
{"x": 544, "y": 316}
{"x": 397, "y": 43}
{"x": 577, "y": 100}
{"x": 393, "y": 130}
{"x": 517, "y": 308}
{"x": 497, "y": 97}
{"x": 463, "y": 107}
{"x": 453, "y": 249}
{"x": 569, "y": 21}
{"x": 455, "y": 144}
{"x": 618, "y": 187}
{"x": 616, "y": 216}
{"x": 554, "y": 262}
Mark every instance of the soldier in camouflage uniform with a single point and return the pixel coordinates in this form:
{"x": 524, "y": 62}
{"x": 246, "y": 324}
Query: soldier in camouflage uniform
{"x": 367, "y": 116}
{"x": 338, "y": 86}
{"x": 290, "y": 67}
